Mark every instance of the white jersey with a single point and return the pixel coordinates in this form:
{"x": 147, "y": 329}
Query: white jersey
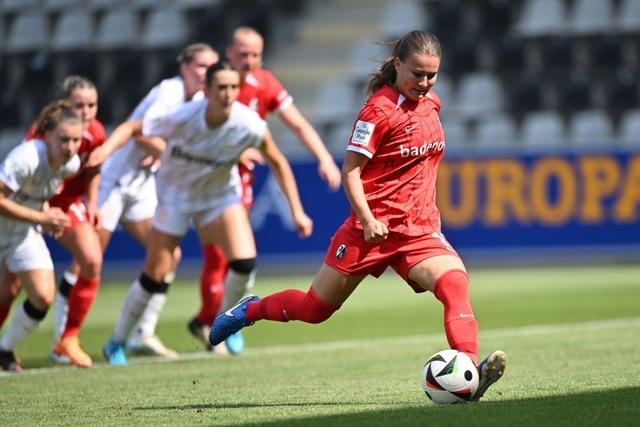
{"x": 122, "y": 167}
{"x": 199, "y": 163}
{"x": 27, "y": 172}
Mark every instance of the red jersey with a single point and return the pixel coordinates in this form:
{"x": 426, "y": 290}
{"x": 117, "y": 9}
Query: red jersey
{"x": 404, "y": 141}
{"x": 75, "y": 187}
{"x": 263, "y": 93}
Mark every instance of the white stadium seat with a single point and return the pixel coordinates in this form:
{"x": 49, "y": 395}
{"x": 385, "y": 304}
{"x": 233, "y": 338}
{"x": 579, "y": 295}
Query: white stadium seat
{"x": 365, "y": 58}
{"x": 479, "y": 95}
{"x": 10, "y": 6}
{"x": 335, "y": 100}
{"x": 540, "y": 18}
{"x": 543, "y": 129}
{"x": 444, "y": 89}
{"x": 29, "y": 32}
{"x": 591, "y": 17}
{"x": 591, "y": 128}
{"x": 630, "y": 129}
{"x": 74, "y": 30}
{"x": 402, "y": 16}
{"x": 628, "y": 20}
{"x": 456, "y": 134}
{"x": 164, "y": 28}
{"x": 496, "y": 131}
{"x": 117, "y": 29}
{"x": 59, "y": 5}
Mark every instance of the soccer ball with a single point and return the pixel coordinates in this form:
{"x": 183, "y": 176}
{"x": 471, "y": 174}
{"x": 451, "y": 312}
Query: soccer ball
{"x": 449, "y": 376}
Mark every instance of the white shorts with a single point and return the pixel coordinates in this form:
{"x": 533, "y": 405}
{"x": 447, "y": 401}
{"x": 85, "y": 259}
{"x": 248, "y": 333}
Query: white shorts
{"x": 170, "y": 221}
{"x": 25, "y": 252}
{"x": 127, "y": 204}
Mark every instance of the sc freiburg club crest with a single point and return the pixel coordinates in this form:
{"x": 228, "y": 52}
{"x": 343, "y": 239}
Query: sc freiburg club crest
{"x": 341, "y": 250}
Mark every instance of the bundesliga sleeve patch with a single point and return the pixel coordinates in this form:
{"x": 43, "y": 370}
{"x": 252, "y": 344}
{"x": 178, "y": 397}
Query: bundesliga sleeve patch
{"x": 362, "y": 133}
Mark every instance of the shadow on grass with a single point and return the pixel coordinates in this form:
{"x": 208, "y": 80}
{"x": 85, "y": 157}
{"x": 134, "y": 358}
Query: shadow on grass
{"x": 617, "y": 407}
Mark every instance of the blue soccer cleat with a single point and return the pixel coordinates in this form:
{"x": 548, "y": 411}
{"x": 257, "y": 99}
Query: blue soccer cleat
{"x": 490, "y": 370}
{"x": 114, "y": 353}
{"x": 231, "y": 321}
{"x": 235, "y": 343}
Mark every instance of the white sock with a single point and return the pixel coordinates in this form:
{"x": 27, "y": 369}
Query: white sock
{"x": 134, "y": 304}
{"x": 61, "y": 308}
{"x": 70, "y": 277}
{"x": 236, "y": 286}
{"x": 21, "y": 326}
{"x": 146, "y": 326}
{"x": 60, "y": 312}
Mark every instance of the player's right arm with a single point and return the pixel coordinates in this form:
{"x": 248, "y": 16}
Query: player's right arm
{"x": 53, "y": 220}
{"x": 368, "y": 134}
{"x": 374, "y": 230}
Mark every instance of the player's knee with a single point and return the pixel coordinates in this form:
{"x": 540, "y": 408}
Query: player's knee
{"x": 35, "y": 310}
{"x": 91, "y": 265}
{"x": 37, "y": 305}
{"x": 452, "y": 282}
{"x": 153, "y": 286}
{"x": 243, "y": 266}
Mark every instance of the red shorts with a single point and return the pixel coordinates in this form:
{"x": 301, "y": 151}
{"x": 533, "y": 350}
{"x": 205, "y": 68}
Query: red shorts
{"x": 76, "y": 212}
{"x": 349, "y": 254}
{"x": 247, "y": 177}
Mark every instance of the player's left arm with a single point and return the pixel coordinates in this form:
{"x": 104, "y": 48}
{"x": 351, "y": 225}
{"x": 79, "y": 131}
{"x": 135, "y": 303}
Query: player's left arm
{"x": 117, "y": 139}
{"x": 294, "y": 120}
{"x": 279, "y": 166}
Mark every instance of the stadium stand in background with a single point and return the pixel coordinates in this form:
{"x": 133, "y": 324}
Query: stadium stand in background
{"x": 516, "y": 75}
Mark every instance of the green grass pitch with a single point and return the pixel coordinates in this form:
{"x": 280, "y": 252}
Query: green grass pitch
{"x": 572, "y": 336}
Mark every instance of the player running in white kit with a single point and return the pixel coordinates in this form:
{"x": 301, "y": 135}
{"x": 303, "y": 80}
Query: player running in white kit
{"x": 198, "y": 179}
{"x": 128, "y": 190}
{"x": 29, "y": 176}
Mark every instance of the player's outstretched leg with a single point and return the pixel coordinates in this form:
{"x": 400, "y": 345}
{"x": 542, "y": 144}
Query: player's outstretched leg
{"x": 490, "y": 370}
{"x": 231, "y": 321}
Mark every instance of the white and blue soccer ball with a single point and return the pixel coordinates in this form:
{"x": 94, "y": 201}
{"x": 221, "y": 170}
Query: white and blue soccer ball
{"x": 449, "y": 376}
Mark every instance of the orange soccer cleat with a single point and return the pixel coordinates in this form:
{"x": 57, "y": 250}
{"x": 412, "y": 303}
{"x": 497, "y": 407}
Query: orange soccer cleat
{"x": 70, "y": 347}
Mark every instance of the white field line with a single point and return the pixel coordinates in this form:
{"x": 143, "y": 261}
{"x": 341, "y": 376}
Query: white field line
{"x": 532, "y": 330}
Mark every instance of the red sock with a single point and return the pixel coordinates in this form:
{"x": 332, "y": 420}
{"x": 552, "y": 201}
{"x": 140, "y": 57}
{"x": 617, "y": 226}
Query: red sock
{"x": 291, "y": 304}
{"x": 212, "y": 278}
{"x": 4, "y": 312}
{"x": 460, "y": 326}
{"x": 81, "y": 298}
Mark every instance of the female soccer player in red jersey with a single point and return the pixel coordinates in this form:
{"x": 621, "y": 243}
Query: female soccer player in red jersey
{"x": 389, "y": 177}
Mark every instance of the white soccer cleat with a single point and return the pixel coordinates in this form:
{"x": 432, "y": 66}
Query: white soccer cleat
{"x": 58, "y": 358}
{"x": 491, "y": 369}
{"x": 150, "y": 346}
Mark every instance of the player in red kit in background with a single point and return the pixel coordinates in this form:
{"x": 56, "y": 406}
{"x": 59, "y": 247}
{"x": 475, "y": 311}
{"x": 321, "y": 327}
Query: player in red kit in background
{"x": 389, "y": 177}
{"x": 262, "y": 92}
